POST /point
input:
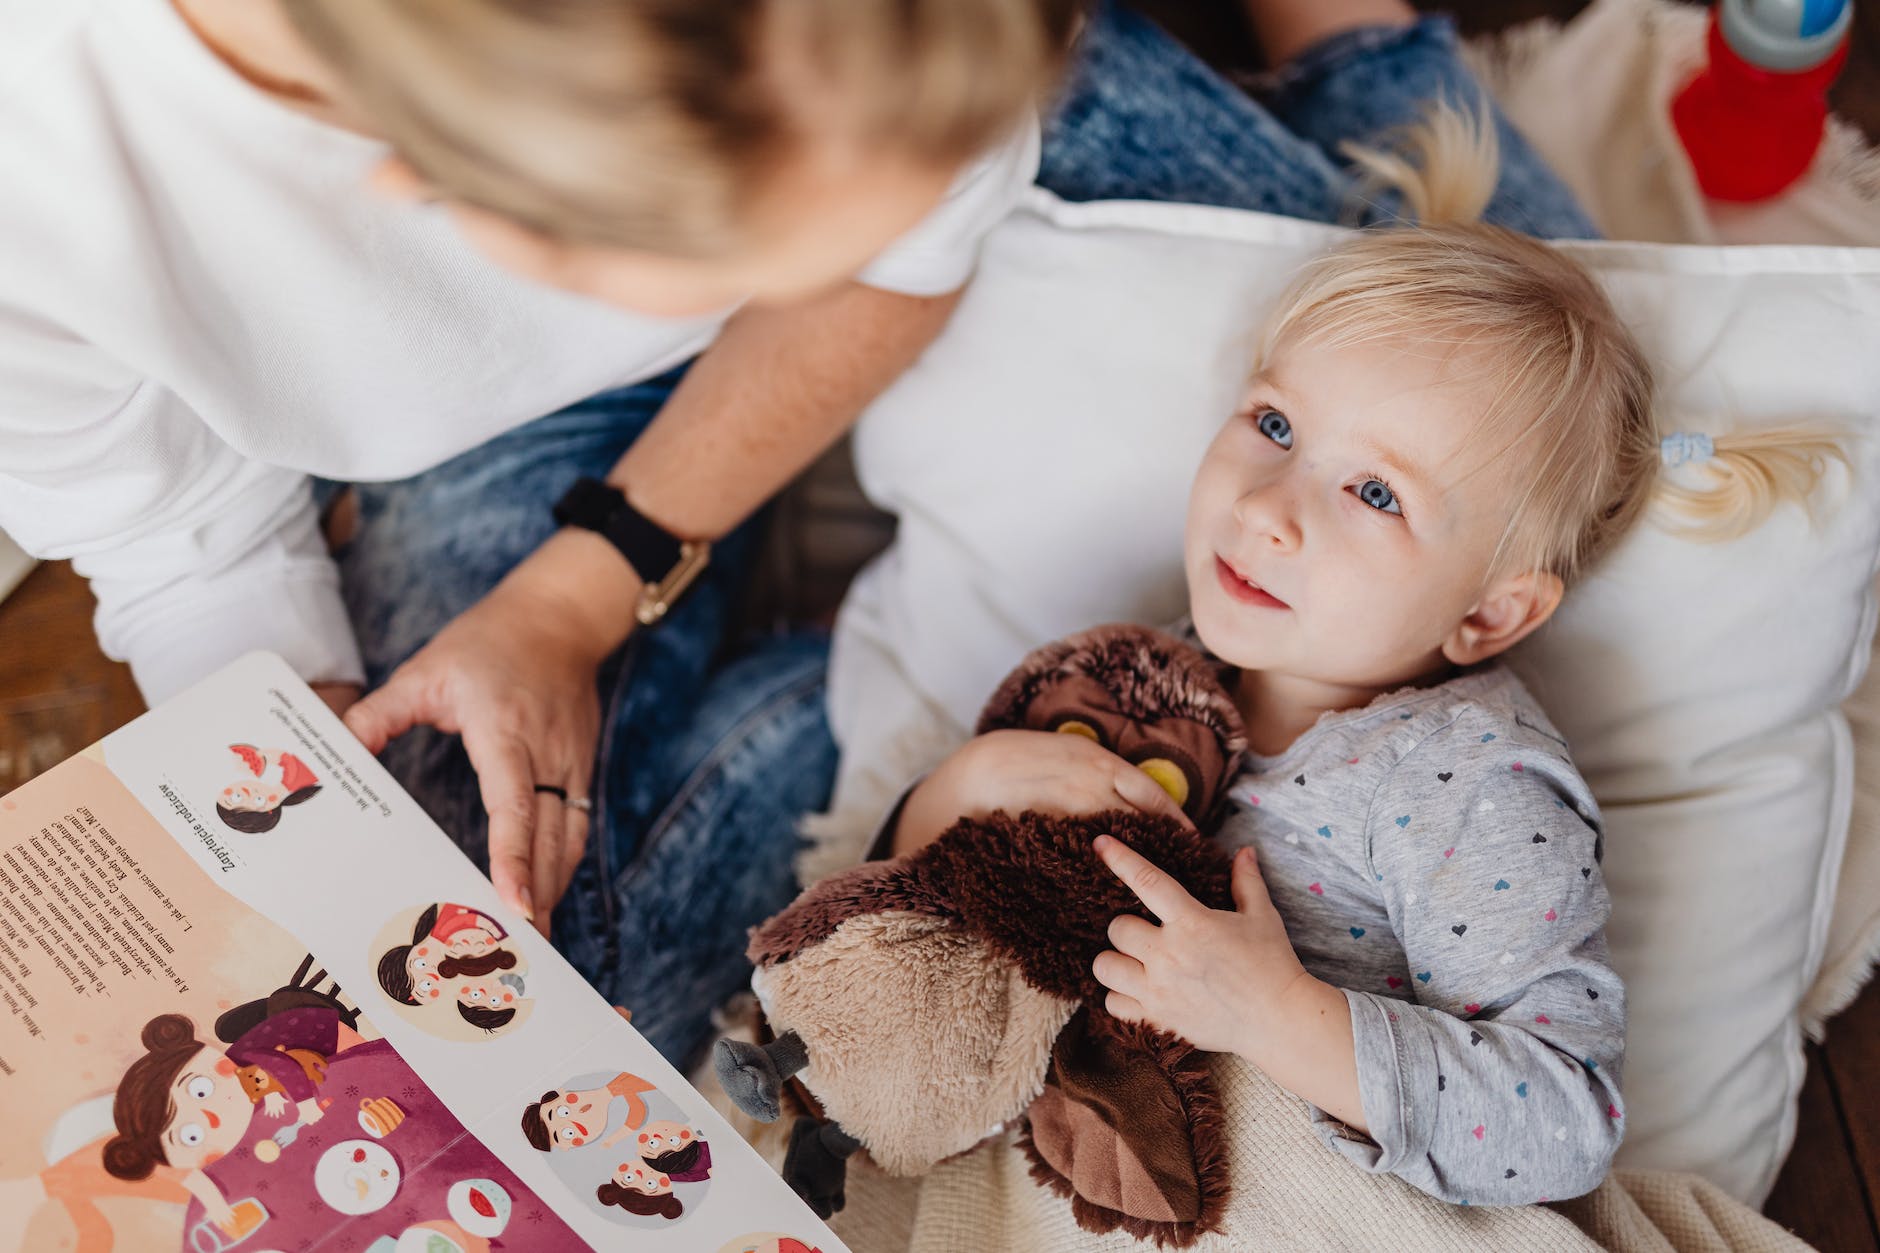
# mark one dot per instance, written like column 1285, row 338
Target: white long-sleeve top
column 201, row 304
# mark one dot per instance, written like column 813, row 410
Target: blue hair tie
column 1682, row 446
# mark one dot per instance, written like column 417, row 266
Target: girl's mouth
column 1243, row 591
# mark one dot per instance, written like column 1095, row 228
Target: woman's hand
column 1020, row 770
column 514, row 675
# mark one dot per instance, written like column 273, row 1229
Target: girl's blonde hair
column 1571, row 391
column 652, row 124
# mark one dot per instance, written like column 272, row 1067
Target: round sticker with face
column 467, row 984
column 626, row 1150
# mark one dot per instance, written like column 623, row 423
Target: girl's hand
column 1020, row 770
column 273, row 1103
column 310, row 1111
column 219, row 1212
column 514, row 675
column 1219, row 980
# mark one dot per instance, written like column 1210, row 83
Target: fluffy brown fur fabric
column 932, row 992
column 1032, row 885
column 1130, row 1074
column 1148, row 674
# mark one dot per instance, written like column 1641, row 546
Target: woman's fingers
column 380, row 717
column 576, row 819
column 573, row 834
column 506, row 783
column 545, row 854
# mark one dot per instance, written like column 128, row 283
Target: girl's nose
column 1267, row 515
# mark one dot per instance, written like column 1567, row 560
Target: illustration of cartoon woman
column 273, row 780
column 677, row 1151
column 568, row 1119
column 638, row 1189
column 185, row 1104
column 450, row 943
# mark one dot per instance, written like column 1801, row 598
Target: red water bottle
column 1753, row 117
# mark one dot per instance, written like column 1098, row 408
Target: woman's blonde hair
column 1571, row 390
column 652, row 124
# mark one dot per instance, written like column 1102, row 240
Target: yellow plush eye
column 1168, row 776
column 1072, row 726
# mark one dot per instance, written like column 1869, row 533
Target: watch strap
column 666, row 564
column 649, row 548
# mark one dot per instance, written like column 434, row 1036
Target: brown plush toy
column 929, row 1000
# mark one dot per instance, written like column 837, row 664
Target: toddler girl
column 1447, row 426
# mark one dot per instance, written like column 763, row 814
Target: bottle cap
column 1785, row 35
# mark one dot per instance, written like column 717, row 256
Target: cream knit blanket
column 1291, row 1192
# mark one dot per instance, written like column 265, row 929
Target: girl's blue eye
column 1276, row 428
column 1377, row 494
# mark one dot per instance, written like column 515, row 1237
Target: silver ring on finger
column 581, row 803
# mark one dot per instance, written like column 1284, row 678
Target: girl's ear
column 1511, row 609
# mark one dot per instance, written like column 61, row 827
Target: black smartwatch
column 666, row 564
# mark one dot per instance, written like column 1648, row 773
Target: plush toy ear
column 1129, row 1129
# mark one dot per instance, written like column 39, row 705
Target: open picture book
column 252, row 998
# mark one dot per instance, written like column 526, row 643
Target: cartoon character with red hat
column 272, row 779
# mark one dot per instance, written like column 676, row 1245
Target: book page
column 251, row 998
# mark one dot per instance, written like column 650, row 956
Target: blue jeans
column 1143, row 119
column 710, row 752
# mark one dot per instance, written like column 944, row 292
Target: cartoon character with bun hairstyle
column 639, row 1189
column 185, row 1104
column 272, row 779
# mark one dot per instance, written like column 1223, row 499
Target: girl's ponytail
column 1445, row 166
column 1742, row 477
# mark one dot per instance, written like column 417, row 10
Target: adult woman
column 203, row 306
column 199, row 369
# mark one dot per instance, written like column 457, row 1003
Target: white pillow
column 1039, row 457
